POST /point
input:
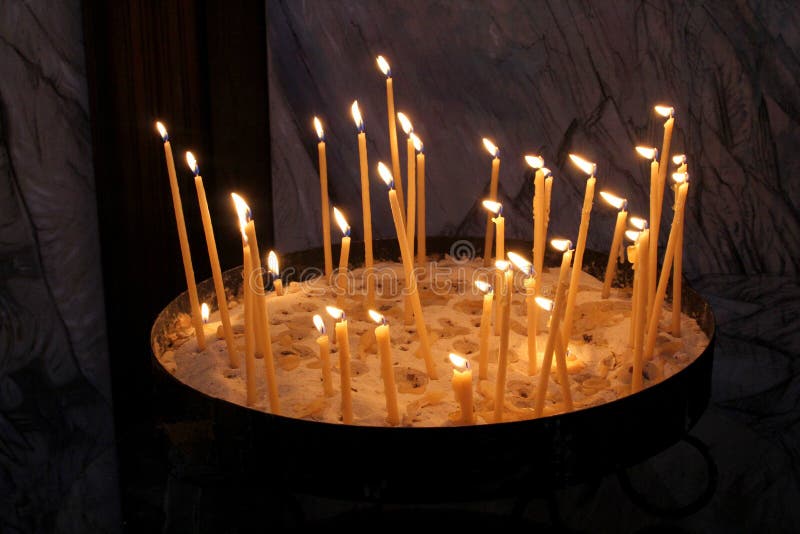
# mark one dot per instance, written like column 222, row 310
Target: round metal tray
column 417, row 465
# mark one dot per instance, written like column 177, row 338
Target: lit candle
column 655, row 220
column 408, row 267
column 205, row 313
column 188, row 270
column 343, row 342
column 366, row 209
column 561, row 356
column 255, row 284
column 677, row 274
column 383, row 338
column 539, row 210
column 500, row 252
column 668, row 113
column 502, row 359
column 411, row 177
column 655, row 313
column 642, row 260
column 619, row 228
column 548, row 190
column 589, row 169
column 341, row 279
column 421, row 235
column 249, row 328
column 462, row 387
column 387, row 71
column 324, row 356
column 216, row 272
column 528, row 270
column 555, row 319
column 542, row 184
column 275, row 272
column 324, row 209
column 487, row 242
column 634, row 257
column 486, row 323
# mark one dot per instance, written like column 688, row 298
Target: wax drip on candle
column 341, row 221
column 359, row 120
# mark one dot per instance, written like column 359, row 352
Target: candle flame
column 204, row 312
column 357, row 116
column 318, row 128
column 272, row 263
column 242, row 211
column 494, row 207
column 546, row 172
column 586, row 166
column 521, row 263
column 544, row 303
column 614, row 200
column 502, row 265
column 341, row 221
column 647, row 152
column 336, row 313
column 417, row 142
column 384, row 66
column 679, row 159
column 665, row 111
column 319, row 324
column 405, row 124
column 638, row 222
column 386, row 175
column 377, row 317
column 561, row 244
column 633, row 235
column 680, row 177
column 537, row 162
column 459, row 362
column 162, row 131
column 192, row 163
column 491, row 147
column 485, row 287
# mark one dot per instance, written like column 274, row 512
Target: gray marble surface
column 57, row 460
column 554, row 78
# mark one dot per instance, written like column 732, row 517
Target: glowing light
column 357, row 116
column 561, row 244
column 679, row 159
column 405, row 124
column 205, row 312
column 484, row 287
column 537, row 162
column 665, row 111
column 318, row 128
column 544, row 303
column 459, row 362
column 319, row 324
column 680, row 177
column 335, row 312
column 638, row 222
column 162, row 131
column 647, row 152
column 494, row 207
column 242, row 211
column 386, row 175
column 546, row 172
column 377, row 317
column 341, row 221
column 586, row 166
column 418, row 146
column 272, row 263
column 491, row 147
column 192, row 163
column 633, row 235
column 384, row 66
column 614, row 200
column 502, row 265
column 521, row 263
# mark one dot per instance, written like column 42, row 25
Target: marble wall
column 57, row 460
column 553, row 78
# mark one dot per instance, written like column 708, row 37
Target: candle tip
column 386, row 175
column 356, row 112
column 162, row 131
column 561, row 244
column 418, row 146
column 483, row 286
column 341, row 221
column 614, row 200
column 493, row 150
column 521, row 263
column 586, row 166
column 377, row 317
column 633, row 235
column 205, row 312
column 272, row 263
column 665, row 111
column 192, row 162
column 459, row 362
column 679, row 159
column 536, row 162
column 318, row 128
column 242, row 211
column 335, row 312
column 405, row 123
column 494, row 207
column 319, row 324
column 680, row 177
column 544, row 303
column 384, row 66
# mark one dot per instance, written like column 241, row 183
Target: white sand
column 599, row 363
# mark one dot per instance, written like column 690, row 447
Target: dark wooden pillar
column 201, row 68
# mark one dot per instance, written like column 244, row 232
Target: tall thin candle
column 324, row 355
column 323, row 190
column 462, row 387
column 616, row 242
column 493, row 184
column 383, row 338
column 343, row 342
column 421, row 235
column 344, row 255
column 655, row 221
column 387, row 71
column 366, row 209
column 677, row 274
column 486, row 324
column 411, row 178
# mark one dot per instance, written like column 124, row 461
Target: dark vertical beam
column 201, row 68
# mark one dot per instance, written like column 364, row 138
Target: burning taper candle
column 387, row 71
column 614, row 254
column 366, row 209
column 343, row 343
column 383, row 338
column 493, row 184
column 324, row 207
column 344, row 256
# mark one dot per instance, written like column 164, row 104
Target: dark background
column 89, row 253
